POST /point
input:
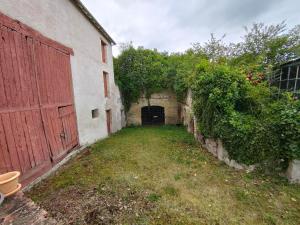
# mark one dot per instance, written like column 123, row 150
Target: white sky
column 172, row 25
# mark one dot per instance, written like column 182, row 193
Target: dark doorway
column 153, row 115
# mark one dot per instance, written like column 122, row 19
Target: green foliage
column 254, row 126
column 286, row 117
column 215, row 93
column 185, row 67
column 231, row 99
column 141, row 71
column 153, row 197
column 262, row 47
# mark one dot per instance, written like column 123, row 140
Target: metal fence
column 287, row 77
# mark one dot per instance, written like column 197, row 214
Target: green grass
column 160, row 175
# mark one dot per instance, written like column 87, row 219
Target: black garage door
column 153, row 115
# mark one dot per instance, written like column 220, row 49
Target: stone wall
column 293, row 172
column 216, row 147
column 166, row 99
column 186, row 116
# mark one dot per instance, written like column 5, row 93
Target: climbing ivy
column 141, row 72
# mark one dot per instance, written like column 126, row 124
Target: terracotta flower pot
column 9, row 183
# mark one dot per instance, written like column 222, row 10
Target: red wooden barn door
column 23, row 145
column 37, row 116
column 56, row 99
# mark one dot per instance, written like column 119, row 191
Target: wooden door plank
column 18, row 141
column 11, row 142
column 28, row 140
column 3, row 100
column 57, row 128
column 26, row 80
column 23, row 150
column 40, row 73
column 5, row 162
column 22, row 75
column 32, row 70
column 16, row 90
column 7, row 67
column 42, row 135
column 49, row 131
column 47, row 73
column 56, row 72
column 34, row 136
column 61, row 75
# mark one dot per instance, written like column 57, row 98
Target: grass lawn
column 159, row 175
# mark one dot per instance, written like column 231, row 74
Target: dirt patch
column 97, row 206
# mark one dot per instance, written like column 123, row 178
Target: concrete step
column 20, row 210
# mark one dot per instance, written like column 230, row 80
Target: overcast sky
column 172, row 25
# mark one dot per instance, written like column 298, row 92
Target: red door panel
column 54, row 80
column 69, row 135
column 22, row 138
column 37, row 117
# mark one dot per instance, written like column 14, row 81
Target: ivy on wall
column 141, row 72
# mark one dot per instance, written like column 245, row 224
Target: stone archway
column 153, row 115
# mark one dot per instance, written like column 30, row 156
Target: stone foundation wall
column 217, row 149
column 293, row 172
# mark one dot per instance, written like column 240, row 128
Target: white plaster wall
column 61, row 21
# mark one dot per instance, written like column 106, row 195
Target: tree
column 214, row 49
column 267, row 44
column 140, row 72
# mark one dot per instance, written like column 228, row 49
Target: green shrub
column 255, row 126
column 217, row 92
column 285, row 114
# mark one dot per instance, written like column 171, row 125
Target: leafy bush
column 254, row 125
column 141, row 72
column 285, row 115
column 217, row 91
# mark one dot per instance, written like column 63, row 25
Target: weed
column 153, row 197
column 177, row 176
